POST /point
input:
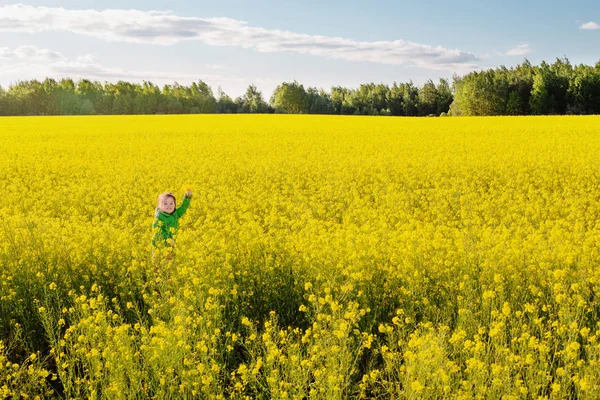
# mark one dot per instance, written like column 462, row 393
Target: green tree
column 396, row 100
column 319, row 102
column 358, row 100
column 202, row 98
column 513, row 104
column 290, row 98
column 444, row 97
column 66, row 98
column 124, row 95
column 410, row 98
column 90, row 94
column 379, row 99
column 252, row 101
column 480, row 93
column 170, row 103
column 50, row 99
column 225, row 105
column 550, row 87
column 147, row 101
column 584, row 91
column 540, row 101
column 337, row 98
column 4, row 103
column 29, row 98
column 428, row 99
column 520, row 80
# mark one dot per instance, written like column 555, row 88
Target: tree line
column 85, row 97
column 558, row 88
column 547, row 89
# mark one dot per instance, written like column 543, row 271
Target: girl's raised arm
column 184, row 206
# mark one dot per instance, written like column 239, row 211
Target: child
column 166, row 222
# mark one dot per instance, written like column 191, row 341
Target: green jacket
column 167, row 224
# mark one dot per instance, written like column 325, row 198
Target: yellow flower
column 416, row 386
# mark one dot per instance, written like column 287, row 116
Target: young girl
column 166, row 222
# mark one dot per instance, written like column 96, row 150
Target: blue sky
column 318, row 43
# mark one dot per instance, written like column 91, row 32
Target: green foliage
column 444, row 97
column 85, row 97
column 319, row 102
column 584, row 90
column 513, row 104
column 290, row 98
column 4, row 103
column 253, row 102
column 428, row 97
column 481, row 93
column 338, row 95
column 225, row 105
column 550, row 86
column 557, row 88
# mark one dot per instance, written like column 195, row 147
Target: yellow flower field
column 321, row 257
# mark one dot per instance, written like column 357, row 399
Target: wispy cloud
column 30, row 54
column 590, row 26
column 165, row 28
column 519, row 50
column 87, row 59
column 215, row 66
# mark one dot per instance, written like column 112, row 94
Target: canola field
column 320, row 258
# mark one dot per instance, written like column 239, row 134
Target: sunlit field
column 321, row 258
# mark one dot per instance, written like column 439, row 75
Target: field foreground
column 321, row 257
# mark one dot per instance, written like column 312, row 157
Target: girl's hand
column 188, row 193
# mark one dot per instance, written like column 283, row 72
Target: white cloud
column 5, row 52
column 519, row 50
column 87, row 59
column 34, row 53
column 589, row 26
column 165, row 28
column 30, row 54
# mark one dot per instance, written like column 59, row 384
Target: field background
column 321, row 257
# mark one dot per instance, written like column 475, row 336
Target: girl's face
column 167, row 205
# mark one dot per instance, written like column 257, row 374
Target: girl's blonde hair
column 163, row 196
